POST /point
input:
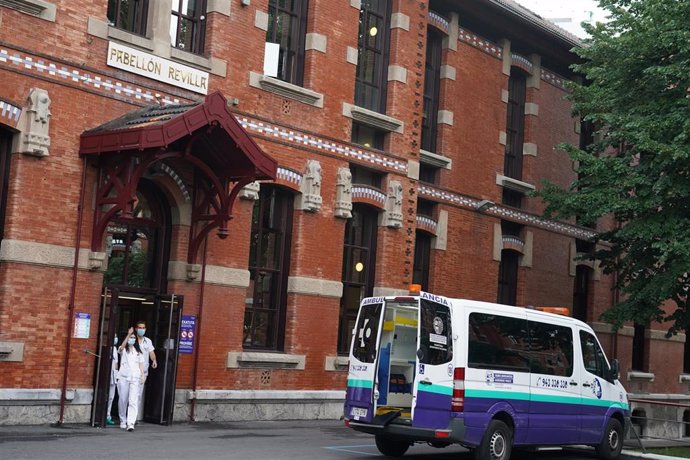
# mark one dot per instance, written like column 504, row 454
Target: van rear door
column 360, row 401
column 433, row 386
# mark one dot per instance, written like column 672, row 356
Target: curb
column 637, row 453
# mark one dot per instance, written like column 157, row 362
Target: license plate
column 359, row 412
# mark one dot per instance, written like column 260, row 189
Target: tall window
column 508, row 277
column 287, row 26
column 639, row 348
column 5, row 145
column 422, row 256
column 515, row 125
column 359, row 262
column 129, row 15
column 372, row 61
column 188, row 25
column 686, row 353
column 581, row 292
column 432, row 82
column 269, row 262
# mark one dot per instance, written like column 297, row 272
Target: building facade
column 239, row 174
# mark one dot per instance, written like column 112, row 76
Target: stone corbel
column 96, row 260
column 250, row 191
column 310, row 198
column 34, row 124
column 343, row 193
column 193, row 272
column 393, row 211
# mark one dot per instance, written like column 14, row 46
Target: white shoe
column 130, row 428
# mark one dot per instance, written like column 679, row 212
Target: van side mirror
column 615, row 369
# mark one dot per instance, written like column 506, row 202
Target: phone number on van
column 552, row 383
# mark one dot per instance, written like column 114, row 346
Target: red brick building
column 393, row 142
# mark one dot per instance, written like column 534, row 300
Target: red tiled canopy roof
column 227, row 148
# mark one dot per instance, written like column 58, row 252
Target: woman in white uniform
column 131, row 375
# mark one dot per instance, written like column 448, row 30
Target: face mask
column 141, row 332
column 131, row 341
column 115, row 341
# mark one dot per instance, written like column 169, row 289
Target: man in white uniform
column 147, row 349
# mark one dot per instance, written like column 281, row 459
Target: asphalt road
column 304, row 440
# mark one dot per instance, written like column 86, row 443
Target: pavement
column 314, row 439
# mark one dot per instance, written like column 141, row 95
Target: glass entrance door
column 160, row 388
column 104, row 361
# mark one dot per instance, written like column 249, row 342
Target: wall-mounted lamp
column 484, row 205
column 245, row 2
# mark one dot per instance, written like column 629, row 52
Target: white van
column 426, row 368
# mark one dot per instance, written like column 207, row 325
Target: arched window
column 269, row 263
column 359, row 262
column 137, row 248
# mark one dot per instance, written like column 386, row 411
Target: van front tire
column 496, row 443
column 391, row 447
column 612, row 443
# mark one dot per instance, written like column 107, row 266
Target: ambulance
column 490, row 377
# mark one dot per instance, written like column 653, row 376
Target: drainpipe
column 198, row 333
column 72, row 293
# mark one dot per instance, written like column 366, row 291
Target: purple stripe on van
column 358, row 397
column 432, row 410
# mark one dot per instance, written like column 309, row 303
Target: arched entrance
column 131, row 223
column 135, row 290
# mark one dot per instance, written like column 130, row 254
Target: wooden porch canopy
column 205, row 135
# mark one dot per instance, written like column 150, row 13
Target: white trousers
column 129, row 400
column 111, row 397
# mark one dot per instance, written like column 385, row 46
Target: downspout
column 198, row 332
column 73, row 290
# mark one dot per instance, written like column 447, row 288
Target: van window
column 593, row 357
column 435, row 337
column 498, row 342
column 367, row 332
column 551, row 349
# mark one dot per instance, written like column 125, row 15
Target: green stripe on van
column 543, row 398
column 360, row 383
column 438, row 389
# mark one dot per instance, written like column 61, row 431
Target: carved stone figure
column 311, row 187
column 35, row 124
column 343, row 193
column 250, row 191
column 393, row 217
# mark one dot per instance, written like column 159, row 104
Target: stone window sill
column 285, row 89
column 38, row 8
column 434, row 159
column 374, row 119
column 637, row 375
column 261, row 360
column 337, row 363
column 514, row 184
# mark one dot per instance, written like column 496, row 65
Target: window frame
column 508, row 277
column 515, row 124
column 381, row 52
column 5, row 163
column 139, row 21
column 268, row 195
column 297, row 38
column 421, row 266
column 369, row 222
column 432, row 90
column 198, row 19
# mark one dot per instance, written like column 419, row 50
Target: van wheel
column 612, row 444
column 391, row 447
column 496, row 443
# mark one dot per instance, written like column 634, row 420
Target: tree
column 636, row 174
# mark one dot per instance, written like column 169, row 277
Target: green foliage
column 637, row 172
